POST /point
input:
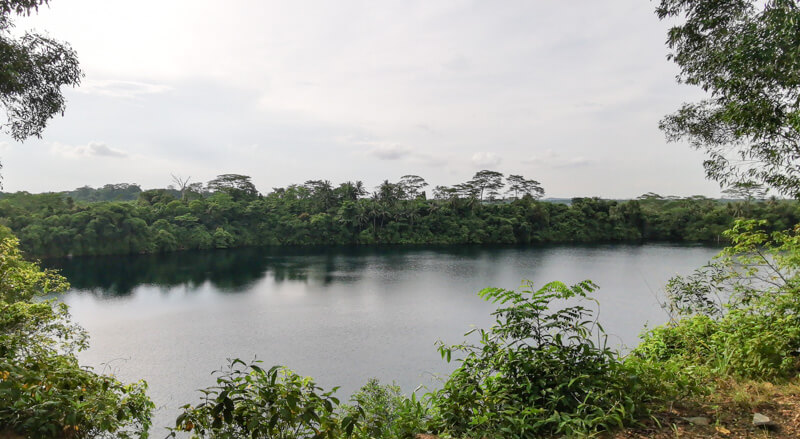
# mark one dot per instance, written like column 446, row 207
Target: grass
column 730, row 409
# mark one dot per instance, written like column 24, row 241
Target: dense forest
column 230, row 212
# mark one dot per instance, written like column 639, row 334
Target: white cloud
column 92, row 149
column 390, row 151
column 545, row 157
column 551, row 159
column 121, row 89
column 486, row 159
column 574, row 162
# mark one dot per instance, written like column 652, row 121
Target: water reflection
column 231, row 271
column 236, row 270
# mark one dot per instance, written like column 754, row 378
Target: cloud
column 92, row 149
column 121, row 89
column 574, row 162
column 545, row 157
column 486, row 159
column 393, row 151
column 390, row 151
column 552, row 159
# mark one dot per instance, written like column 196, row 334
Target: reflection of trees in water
column 227, row 270
column 234, row 270
column 231, row 270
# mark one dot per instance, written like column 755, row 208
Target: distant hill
column 109, row 192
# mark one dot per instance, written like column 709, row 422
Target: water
column 341, row 315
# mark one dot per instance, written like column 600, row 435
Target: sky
column 568, row 93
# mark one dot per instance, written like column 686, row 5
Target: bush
column 250, row 402
column 386, row 413
column 537, row 371
column 740, row 344
column 44, row 392
column 53, row 397
column 737, row 317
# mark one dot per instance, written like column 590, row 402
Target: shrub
column 386, row 413
column 736, row 317
column 537, row 371
column 44, row 392
column 250, row 402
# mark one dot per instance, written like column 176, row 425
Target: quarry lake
column 341, row 315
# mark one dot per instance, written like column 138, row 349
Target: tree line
column 230, row 212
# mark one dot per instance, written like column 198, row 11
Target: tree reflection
column 230, row 270
column 235, row 270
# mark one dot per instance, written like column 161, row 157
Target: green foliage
column 21, row 280
column 51, row 396
column 222, row 239
column 250, row 402
column 737, row 317
column 746, row 55
column 33, row 68
column 236, row 185
column 44, row 392
column 537, row 371
column 318, row 213
column 386, row 413
column 109, row 192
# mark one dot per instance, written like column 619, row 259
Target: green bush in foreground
column 738, row 317
column 537, row 372
column 384, row 412
column 250, row 402
column 44, row 392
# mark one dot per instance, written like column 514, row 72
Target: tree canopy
column 33, row 68
column 236, row 185
column 746, row 55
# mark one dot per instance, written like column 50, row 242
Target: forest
column 229, row 212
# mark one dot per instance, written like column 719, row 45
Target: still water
column 341, row 315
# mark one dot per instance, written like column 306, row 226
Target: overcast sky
column 565, row 92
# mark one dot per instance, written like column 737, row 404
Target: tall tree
column 746, row 55
column 487, row 183
column 236, row 185
column 444, row 193
column 466, row 190
column 33, row 68
column 518, row 186
column 322, row 193
column 389, row 193
column 412, row 185
column 181, row 184
column 746, row 190
column 350, row 190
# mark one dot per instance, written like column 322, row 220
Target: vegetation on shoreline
column 316, row 213
column 44, row 392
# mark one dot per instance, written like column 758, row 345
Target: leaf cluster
column 538, row 371
column 746, row 55
column 251, row 402
column 33, row 68
column 384, row 412
column 44, row 392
